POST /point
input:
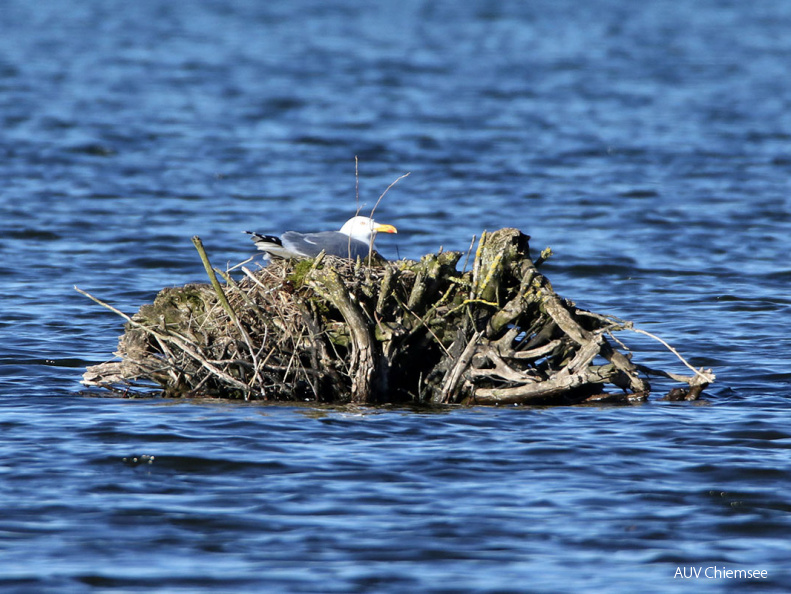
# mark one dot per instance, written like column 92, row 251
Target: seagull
column 354, row 240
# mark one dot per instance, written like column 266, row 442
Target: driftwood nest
column 332, row 330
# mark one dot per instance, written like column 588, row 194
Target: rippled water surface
column 649, row 144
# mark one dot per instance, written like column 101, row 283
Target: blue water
column 649, row 144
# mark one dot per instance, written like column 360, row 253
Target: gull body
column 354, row 240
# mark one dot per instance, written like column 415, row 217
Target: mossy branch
column 213, row 279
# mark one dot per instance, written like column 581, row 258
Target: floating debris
column 374, row 332
column 136, row 460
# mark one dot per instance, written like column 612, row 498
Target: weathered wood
column 454, row 374
column 362, row 368
column 409, row 331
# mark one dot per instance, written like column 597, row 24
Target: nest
column 374, row 332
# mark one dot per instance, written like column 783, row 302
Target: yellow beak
column 385, row 229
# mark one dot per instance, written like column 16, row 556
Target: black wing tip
column 258, row 238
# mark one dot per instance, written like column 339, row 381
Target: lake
column 648, row 144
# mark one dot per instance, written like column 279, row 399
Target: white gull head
column 364, row 228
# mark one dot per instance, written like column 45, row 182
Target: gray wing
column 334, row 243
